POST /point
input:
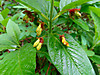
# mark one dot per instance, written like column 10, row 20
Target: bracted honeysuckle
column 63, row 40
column 39, row 43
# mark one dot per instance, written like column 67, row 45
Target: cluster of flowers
column 28, row 16
column 40, row 40
column 39, row 43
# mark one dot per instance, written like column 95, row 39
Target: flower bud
column 39, row 46
column 36, row 43
column 39, row 32
column 38, row 28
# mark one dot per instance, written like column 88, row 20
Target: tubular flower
column 39, row 43
column 74, row 12
column 39, row 29
column 63, row 40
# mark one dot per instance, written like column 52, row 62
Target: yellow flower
column 39, row 46
column 77, row 13
column 38, row 28
column 63, row 40
column 39, row 32
column 36, row 43
column 39, row 43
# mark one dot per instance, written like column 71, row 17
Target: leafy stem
column 51, row 13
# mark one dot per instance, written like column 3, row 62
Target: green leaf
column 70, row 60
column 1, row 18
column 5, row 12
column 93, row 1
column 6, row 40
column 60, row 21
column 89, row 53
column 95, row 10
column 66, row 4
column 20, row 62
column 5, row 21
column 81, row 23
column 2, row 47
column 97, row 28
column 15, row 17
column 1, row 30
column 96, row 59
column 13, row 31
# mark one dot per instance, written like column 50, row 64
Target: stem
column 51, row 13
column 60, row 13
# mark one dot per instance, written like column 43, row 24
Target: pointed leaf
column 69, row 60
column 81, row 23
column 96, row 23
column 96, row 59
column 5, row 12
column 69, row 4
column 13, row 31
column 20, row 62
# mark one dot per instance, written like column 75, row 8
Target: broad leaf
column 13, row 31
column 6, row 40
column 70, row 60
column 64, row 3
column 20, row 62
column 69, row 4
column 2, row 47
column 81, row 23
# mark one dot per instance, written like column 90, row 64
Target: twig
column 48, row 69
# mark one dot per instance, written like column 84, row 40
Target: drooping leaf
column 20, row 62
column 70, row 60
column 13, row 31
column 5, row 12
column 81, row 23
column 96, row 59
column 97, row 27
column 69, row 4
column 95, row 10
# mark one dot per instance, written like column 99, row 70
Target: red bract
column 29, row 15
column 41, row 40
column 73, row 10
